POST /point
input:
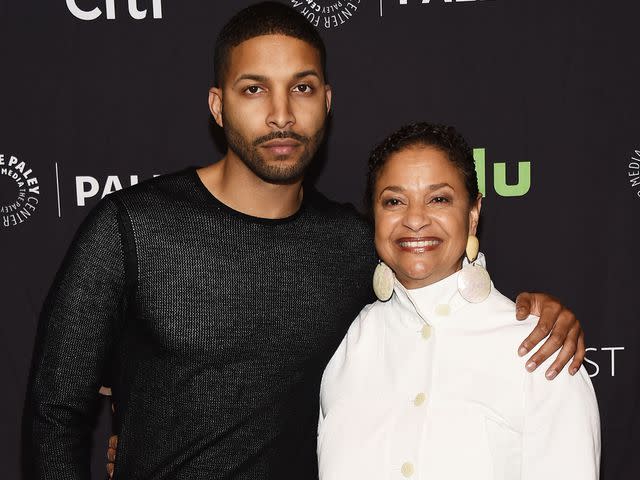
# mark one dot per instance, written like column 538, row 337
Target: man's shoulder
column 166, row 185
column 161, row 193
column 342, row 213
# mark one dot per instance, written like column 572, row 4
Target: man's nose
column 281, row 115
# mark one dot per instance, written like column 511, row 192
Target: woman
column 399, row 398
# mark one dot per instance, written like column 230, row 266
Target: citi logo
column 500, row 185
column 135, row 11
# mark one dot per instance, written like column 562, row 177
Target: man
column 217, row 295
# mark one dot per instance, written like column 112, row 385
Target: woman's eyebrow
column 393, row 188
column 436, row 186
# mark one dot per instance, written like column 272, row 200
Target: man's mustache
column 279, row 135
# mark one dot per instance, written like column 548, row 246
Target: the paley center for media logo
column 633, row 172
column 19, row 191
column 326, row 13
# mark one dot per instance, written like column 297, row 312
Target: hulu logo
column 500, row 176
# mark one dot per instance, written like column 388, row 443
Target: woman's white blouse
column 427, row 386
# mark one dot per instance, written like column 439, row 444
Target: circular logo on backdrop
column 633, row 173
column 19, row 191
column 326, row 13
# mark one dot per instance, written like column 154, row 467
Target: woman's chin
column 415, row 279
column 420, row 277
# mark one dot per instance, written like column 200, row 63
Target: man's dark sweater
column 214, row 327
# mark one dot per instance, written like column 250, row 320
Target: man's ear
column 327, row 96
column 215, row 104
column 474, row 215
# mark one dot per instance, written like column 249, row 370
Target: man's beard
column 250, row 154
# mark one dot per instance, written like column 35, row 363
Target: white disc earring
column 474, row 282
column 383, row 281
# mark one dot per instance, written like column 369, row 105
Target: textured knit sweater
column 212, row 326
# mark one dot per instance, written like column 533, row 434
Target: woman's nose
column 416, row 217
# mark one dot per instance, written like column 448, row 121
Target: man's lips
column 418, row 244
column 284, row 146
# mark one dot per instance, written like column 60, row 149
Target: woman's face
column 423, row 216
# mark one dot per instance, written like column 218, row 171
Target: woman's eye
column 253, row 89
column 303, row 88
column 391, row 202
column 440, row 200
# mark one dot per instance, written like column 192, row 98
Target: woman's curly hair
column 443, row 137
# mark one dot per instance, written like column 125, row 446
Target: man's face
column 273, row 106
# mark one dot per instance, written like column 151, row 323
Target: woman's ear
column 474, row 215
column 215, row 104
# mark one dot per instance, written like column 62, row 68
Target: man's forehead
column 274, row 55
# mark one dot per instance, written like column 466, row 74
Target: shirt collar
column 435, row 302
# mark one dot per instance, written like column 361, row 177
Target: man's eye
column 253, row 89
column 303, row 88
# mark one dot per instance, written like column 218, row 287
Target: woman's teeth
column 420, row 244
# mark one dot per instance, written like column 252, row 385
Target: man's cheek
column 312, row 117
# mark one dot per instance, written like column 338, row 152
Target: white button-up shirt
column 428, row 386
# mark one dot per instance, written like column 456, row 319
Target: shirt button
column 407, row 469
column 426, row 332
column 443, row 309
column 419, row 400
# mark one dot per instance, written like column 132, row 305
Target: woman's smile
column 418, row 244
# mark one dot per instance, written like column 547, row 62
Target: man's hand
column 111, row 454
column 559, row 324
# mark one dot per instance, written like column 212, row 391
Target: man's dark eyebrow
column 251, row 76
column 307, row 73
column 261, row 78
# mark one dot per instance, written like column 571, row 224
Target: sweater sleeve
column 562, row 427
column 74, row 340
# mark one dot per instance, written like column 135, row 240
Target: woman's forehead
column 419, row 163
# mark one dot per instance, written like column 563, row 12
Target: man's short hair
column 264, row 18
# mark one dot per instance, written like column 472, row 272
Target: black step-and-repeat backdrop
column 98, row 95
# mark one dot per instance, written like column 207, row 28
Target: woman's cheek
column 384, row 249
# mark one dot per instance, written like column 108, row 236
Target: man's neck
column 235, row 185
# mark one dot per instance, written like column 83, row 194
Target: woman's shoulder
column 358, row 351
column 500, row 303
column 364, row 330
column 499, row 312
column 370, row 320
